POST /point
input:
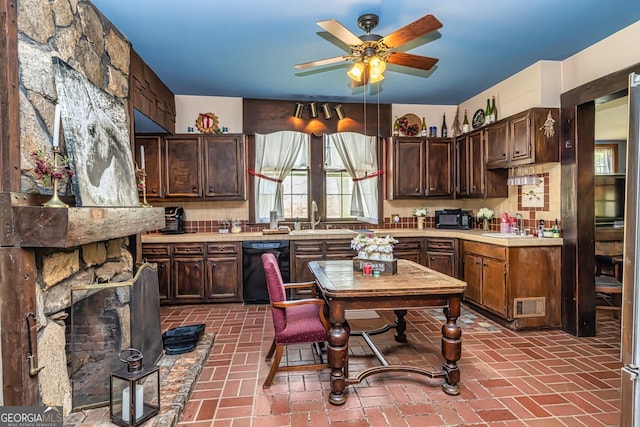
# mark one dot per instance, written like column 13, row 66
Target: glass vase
column 485, row 224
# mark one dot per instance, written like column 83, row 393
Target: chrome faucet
column 520, row 228
column 314, row 210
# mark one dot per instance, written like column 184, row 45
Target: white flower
column 373, row 244
column 420, row 211
column 485, row 213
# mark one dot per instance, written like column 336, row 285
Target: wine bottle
column 443, row 132
column 423, row 130
column 494, row 111
column 396, row 127
column 487, row 113
column 465, row 123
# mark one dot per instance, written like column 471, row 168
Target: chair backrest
column 275, row 286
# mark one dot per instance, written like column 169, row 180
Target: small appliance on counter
column 454, row 219
column 174, row 219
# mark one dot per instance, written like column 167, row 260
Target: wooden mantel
column 37, row 226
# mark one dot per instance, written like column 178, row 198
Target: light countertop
column 495, row 238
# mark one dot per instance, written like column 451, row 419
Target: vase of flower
column 485, row 215
column 420, row 222
column 420, row 214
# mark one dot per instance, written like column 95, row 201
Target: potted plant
column 374, row 248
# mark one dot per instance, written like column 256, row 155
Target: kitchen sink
column 506, row 235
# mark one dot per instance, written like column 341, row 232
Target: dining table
column 343, row 286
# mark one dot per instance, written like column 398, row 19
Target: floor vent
column 529, row 307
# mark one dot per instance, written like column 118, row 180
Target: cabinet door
column 223, row 279
column 497, row 144
column 462, row 167
column 182, row 160
column 153, row 162
column 494, row 285
column 164, row 277
column 439, row 168
column 409, row 248
column 520, row 138
column 442, row 262
column 224, row 167
column 476, row 165
column 473, row 277
column 303, row 252
column 188, row 278
column 408, row 168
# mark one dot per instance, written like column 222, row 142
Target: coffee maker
column 174, row 219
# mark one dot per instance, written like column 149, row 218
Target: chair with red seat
column 295, row 321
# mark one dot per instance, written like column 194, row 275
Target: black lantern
column 134, row 392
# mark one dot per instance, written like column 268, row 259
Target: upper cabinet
column 422, row 167
column 472, row 179
column 188, row 167
column 532, row 136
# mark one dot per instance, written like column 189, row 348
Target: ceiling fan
column 371, row 52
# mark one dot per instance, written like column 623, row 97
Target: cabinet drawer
column 406, row 245
column 222, row 248
column 188, row 249
column 343, row 246
column 308, row 246
column 441, row 244
column 485, row 250
column 156, row 249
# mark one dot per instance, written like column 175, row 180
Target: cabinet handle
column 211, row 190
column 484, row 265
column 432, row 189
column 477, row 262
column 504, row 154
column 154, row 191
column 194, row 189
column 416, row 190
column 517, row 152
column 432, row 259
column 213, row 265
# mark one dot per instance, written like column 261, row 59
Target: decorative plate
column 478, row 119
column 413, row 124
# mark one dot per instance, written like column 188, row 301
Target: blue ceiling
column 248, row 48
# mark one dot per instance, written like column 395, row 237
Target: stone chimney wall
column 76, row 32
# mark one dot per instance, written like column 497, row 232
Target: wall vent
column 529, row 307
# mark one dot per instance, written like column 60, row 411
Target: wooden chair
column 294, row 321
column 608, row 286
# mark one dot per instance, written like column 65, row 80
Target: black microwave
column 454, row 219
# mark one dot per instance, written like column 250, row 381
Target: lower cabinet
column 409, row 248
column 305, row 251
column 519, row 285
column 442, row 255
column 196, row 272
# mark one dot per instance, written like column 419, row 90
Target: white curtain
column 276, row 155
column 358, row 153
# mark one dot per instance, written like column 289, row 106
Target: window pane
column 296, row 194
column 338, row 189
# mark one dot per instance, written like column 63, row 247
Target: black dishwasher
column 254, row 284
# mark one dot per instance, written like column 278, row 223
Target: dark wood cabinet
column 519, row 285
column 472, row 178
column 442, row 255
column 521, row 139
column 153, row 160
column 224, row 167
column 183, row 167
column 188, row 167
column 422, row 167
column 305, row 251
column 224, row 274
column 409, row 248
column 485, row 271
column 196, row 272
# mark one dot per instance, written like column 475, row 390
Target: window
column 288, row 184
column 606, row 158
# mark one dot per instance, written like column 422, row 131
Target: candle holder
column 54, row 201
column 144, row 203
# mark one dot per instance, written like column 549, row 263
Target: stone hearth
column 178, row 374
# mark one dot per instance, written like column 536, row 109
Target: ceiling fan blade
column 319, row 62
column 340, row 32
column 420, row 27
column 411, row 60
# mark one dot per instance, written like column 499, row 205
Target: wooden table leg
column 452, row 347
column 337, row 350
column 401, row 326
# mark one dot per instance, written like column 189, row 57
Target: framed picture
column 97, row 141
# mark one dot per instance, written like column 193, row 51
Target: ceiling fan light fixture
column 297, row 113
column 356, row 72
column 326, row 110
column 340, row 112
column 375, row 78
column 313, row 110
column 377, row 65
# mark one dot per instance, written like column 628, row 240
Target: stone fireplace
column 86, row 306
